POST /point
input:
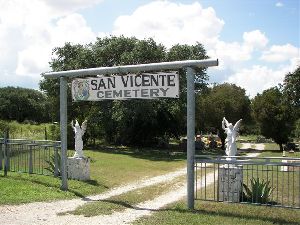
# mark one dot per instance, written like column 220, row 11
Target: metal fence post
column 190, row 75
column 56, row 164
column 6, row 153
column 30, row 160
column 1, row 155
column 63, row 132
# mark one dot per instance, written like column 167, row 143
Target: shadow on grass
column 206, row 212
column 47, row 184
column 234, row 215
column 154, row 154
column 219, row 213
column 121, row 203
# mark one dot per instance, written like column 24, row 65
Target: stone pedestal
column 78, row 168
column 289, row 168
column 230, row 183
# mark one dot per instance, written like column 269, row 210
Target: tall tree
column 292, row 87
column 137, row 122
column 224, row 100
column 291, row 90
column 274, row 116
column 23, row 104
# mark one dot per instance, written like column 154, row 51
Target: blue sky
column 256, row 41
column 239, row 15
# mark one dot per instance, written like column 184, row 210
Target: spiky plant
column 51, row 164
column 258, row 192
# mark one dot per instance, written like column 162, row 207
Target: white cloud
column 279, row 4
column 255, row 39
column 171, row 23
column 67, row 6
column 280, row 53
column 229, row 53
column 72, row 28
column 234, row 53
column 29, row 30
column 259, row 78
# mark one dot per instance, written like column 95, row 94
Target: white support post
column 63, row 132
column 190, row 76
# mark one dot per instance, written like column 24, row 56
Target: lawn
column 109, row 168
column 221, row 213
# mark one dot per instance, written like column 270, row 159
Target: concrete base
column 78, row 168
column 230, row 183
column 290, row 168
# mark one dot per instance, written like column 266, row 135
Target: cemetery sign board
column 131, row 86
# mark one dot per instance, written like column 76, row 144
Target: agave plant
column 259, row 191
column 51, row 164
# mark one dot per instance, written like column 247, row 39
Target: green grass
column 29, row 131
column 247, row 138
column 221, row 213
column 272, row 150
column 22, row 188
column 109, row 168
column 126, row 200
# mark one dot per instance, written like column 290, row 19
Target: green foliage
column 133, row 122
column 258, row 192
column 23, row 104
column 297, row 129
column 4, row 126
column 222, row 100
column 291, row 91
column 51, row 164
column 27, row 130
column 274, row 116
column 292, row 87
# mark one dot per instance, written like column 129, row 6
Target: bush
column 4, row 126
column 51, row 164
column 258, row 192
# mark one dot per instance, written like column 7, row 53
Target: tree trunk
column 223, row 143
column 281, row 147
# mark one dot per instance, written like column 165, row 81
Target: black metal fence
column 272, row 181
column 29, row 156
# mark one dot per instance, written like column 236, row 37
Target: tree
column 224, row 100
column 134, row 122
column 23, row 104
column 291, row 90
column 68, row 57
column 292, row 87
column 274, row 116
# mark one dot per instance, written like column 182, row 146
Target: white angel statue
column 232, row 132
column 79, row 132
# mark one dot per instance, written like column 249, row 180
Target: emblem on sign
column 81, row 90
column 138, row 86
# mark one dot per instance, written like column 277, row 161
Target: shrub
column 258, row 192
column 51, row 164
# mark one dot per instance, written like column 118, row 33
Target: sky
column 257, row 42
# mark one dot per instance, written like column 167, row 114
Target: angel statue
column 232, row 132
column 79, row 132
